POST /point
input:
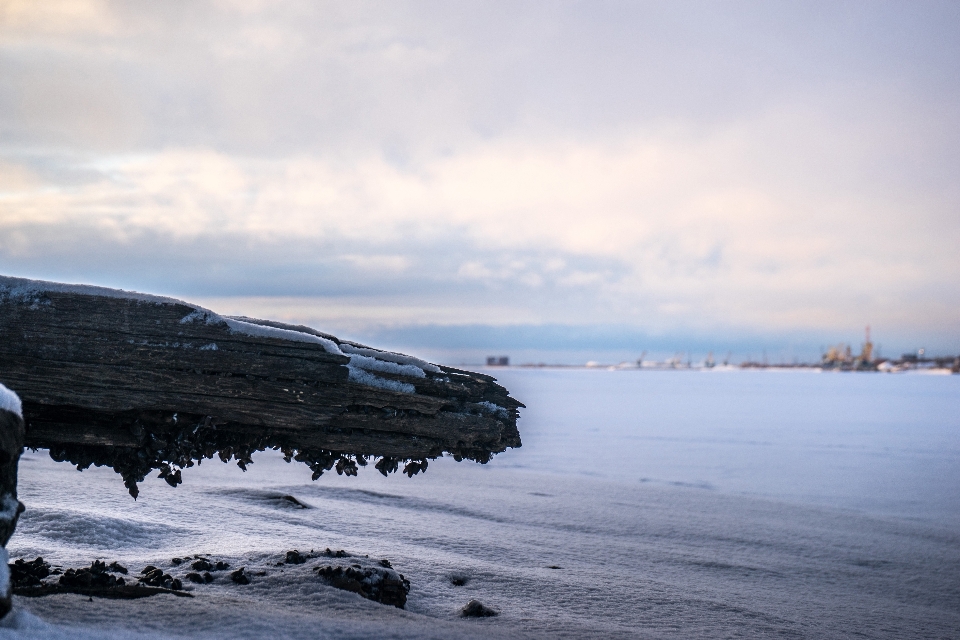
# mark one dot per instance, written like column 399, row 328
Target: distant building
column 841, row 357
column 498, row 361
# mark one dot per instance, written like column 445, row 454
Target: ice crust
column 260, row 331
column 494, row 409
column 389, row 356
column 373, row 364
column 23, row 289
column 363, row 360
column 10, row 401
column 361, row 376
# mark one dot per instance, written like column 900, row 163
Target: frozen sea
column 643, row 504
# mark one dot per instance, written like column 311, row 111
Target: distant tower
column 866, row 354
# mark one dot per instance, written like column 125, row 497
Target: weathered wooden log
column 142, row 383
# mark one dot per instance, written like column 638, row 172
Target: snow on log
column 142, row 383
column 11, row 446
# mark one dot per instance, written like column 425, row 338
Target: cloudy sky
column 553, row 180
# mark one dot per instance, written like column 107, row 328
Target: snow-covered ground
column 642, row 504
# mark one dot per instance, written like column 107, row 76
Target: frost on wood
column 9, row 401
column 148, row 384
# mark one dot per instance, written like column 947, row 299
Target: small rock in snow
column 382, row 585
column 476, row 609
column 198, row 578
column 292, row 501
column 95, row 575
column 157, row 578
column 28, row 574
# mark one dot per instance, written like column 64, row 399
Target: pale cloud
column 689, row 227
column 390, row 163
column 24, row 20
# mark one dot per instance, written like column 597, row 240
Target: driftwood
column 143, row 383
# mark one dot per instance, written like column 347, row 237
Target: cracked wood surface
column 106, row 368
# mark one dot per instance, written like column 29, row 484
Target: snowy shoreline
column 651, row 521
column 661, row 561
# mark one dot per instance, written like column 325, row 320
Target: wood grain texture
column 115, row 372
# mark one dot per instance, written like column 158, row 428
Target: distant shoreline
column 810, row 368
